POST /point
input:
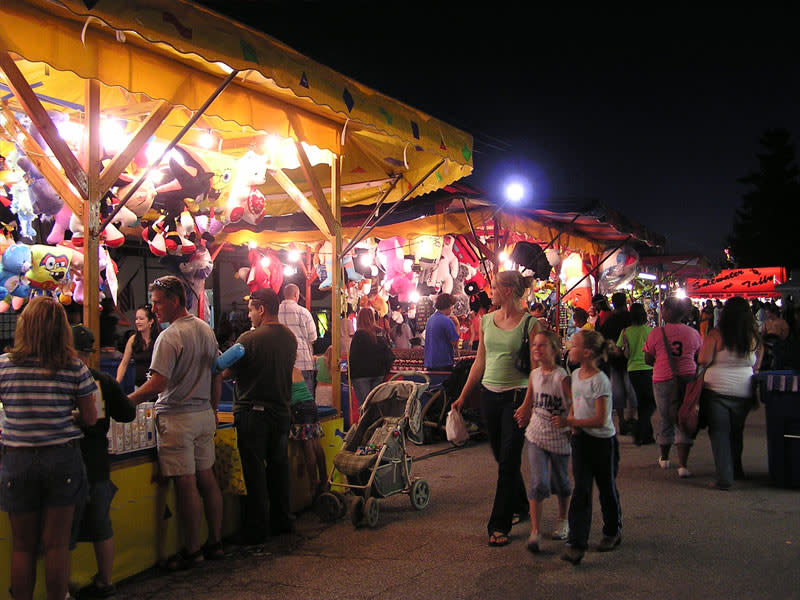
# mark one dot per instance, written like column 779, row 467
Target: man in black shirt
column 262, row 417
column 94, row 521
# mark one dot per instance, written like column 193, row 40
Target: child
column 547, row 446
column 595, row 451
column 305, row 428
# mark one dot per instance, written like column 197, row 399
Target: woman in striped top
column 42, row 476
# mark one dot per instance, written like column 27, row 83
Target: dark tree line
column 766, row 228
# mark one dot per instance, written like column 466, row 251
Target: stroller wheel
column 420, row 494
column 342, row 505
column 371, row 512
column 357, row 510
column 329, row 507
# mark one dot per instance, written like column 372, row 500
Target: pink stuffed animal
column 398, row 279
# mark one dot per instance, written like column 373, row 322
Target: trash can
column 780, row 393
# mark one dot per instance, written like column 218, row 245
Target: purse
column 688, row 394
column 523, row 362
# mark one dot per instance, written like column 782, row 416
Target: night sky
column 656, row 113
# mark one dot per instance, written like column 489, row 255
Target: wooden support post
column 316, row 188
column 91, row 220
column 302, row 202
column 39, row 117
column 336, row 293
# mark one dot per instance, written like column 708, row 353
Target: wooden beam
column 316, row 188
column 91, row 219
column 125, row 156
column 336, row 284
column 43, row 122
column 302, row 202
column 36, row 154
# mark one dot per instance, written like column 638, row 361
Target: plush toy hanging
column 245, row 201
column 49, row 267
column 446, row 269
column 398, row 279
column 531, row 256
column 265, row 271
column 572, row 271
column 14, row 290
column 618, row 269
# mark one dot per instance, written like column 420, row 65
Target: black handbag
column 523, row 362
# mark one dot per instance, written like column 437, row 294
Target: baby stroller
column 374, row 458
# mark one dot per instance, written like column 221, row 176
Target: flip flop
column 498, row 539
column 520, row 518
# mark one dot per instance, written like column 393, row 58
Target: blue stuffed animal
column 16, row 261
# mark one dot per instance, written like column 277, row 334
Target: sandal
column 518, row 518
column 184, row 560
column 498, row 539
column 213, row 551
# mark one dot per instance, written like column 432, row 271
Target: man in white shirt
column 301, row 323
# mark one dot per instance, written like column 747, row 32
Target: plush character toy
column 266, row 271
column 245, row 201
column 44, row 199
column 325, row 256
column 446, row 269
column 13, row 288
column 618, row 269
column 196, row 270
column 22, row 207
column 398, row 279
column 572, row 270
column 106, row 265
column 49, row 267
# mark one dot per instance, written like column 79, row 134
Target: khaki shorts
column 186, row 442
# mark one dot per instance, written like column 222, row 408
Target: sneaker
column 683, row 472
column 561, row 532
column 573, row 555
column 609, row 542
column 663, row 463
column 97, row 590
column 533, row 542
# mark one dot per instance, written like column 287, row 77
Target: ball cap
column 82, row 338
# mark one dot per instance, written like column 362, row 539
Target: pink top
column 684, row 342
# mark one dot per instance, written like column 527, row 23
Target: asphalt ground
column 681, row 539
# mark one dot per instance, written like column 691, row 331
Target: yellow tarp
column 180, row 52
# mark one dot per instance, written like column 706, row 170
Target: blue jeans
column 362, row 386
column 593, row 459
column 506, row 439
column 726, row 416
column 263, row 437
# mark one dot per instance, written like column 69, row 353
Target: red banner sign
column 748, row 283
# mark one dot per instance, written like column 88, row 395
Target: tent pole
column 355, row 240
column 91, row 220
column 197, row 114
column 597, row 266
column 372, row 215
column 336, row 295
column 475, row 235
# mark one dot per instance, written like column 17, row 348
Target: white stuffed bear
column 245, row 200
column 446, row 269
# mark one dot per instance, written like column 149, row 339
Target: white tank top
column 730, row 373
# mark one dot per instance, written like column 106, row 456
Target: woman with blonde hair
column 42, row 381
column 503, row 390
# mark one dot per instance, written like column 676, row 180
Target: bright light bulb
column 414, row 297
column 206, row 140
column 680, row 293
column 70, row 132
column 252, row 245
column 265, row 262
column 503, row 257
column 515, row 191
column 648, row 276
column 153, row 151
column 289, row 271
column 509, row 265
column 366, row 260
column 112, row 135
column 293, row 255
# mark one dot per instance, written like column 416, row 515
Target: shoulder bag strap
column 672, row 366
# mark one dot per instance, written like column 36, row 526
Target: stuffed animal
column 49, row 267
column 398, row 279
column 618, row 269
column 446, row 269
column 44, row 199
column 265, row 271
column 572, row 270
column 245, row 201
column 14, row 289
column 325, row 256
column 22, row 207
column 108, row 268
column 195, row 271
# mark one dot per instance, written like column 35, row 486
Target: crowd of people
column 558, row 408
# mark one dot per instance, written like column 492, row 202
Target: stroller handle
column 411, row 374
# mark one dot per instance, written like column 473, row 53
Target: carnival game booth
column 167, row 121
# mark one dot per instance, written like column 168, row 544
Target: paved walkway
column 680, row 540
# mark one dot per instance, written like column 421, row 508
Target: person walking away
column 632, row 340
column 43, row 475
column 683, row 343
column 547, row 447
column 595, row 449
column 306, row 430
column 261, row 415
column 140, row 346
column 370, row 357
column 623, row 394
column 94, row 524
column 503, row 390
column 706, row 318
column 401, row 331
column 731, row 354
column 441, row 336
column 186, row 418
column 301, row 323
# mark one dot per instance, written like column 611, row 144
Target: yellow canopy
column 177, row 51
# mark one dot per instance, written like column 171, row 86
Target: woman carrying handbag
column 731, row 353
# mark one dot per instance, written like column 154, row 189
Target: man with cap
column 186, row 418
column 93, row 524
column 262, row 416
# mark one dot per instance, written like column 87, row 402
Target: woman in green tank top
column 502, row 392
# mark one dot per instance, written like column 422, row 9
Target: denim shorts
column 549, row 473
column 93, row 522
column 32, row 479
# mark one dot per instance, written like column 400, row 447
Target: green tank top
column 300, row 393
column 502, row 347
